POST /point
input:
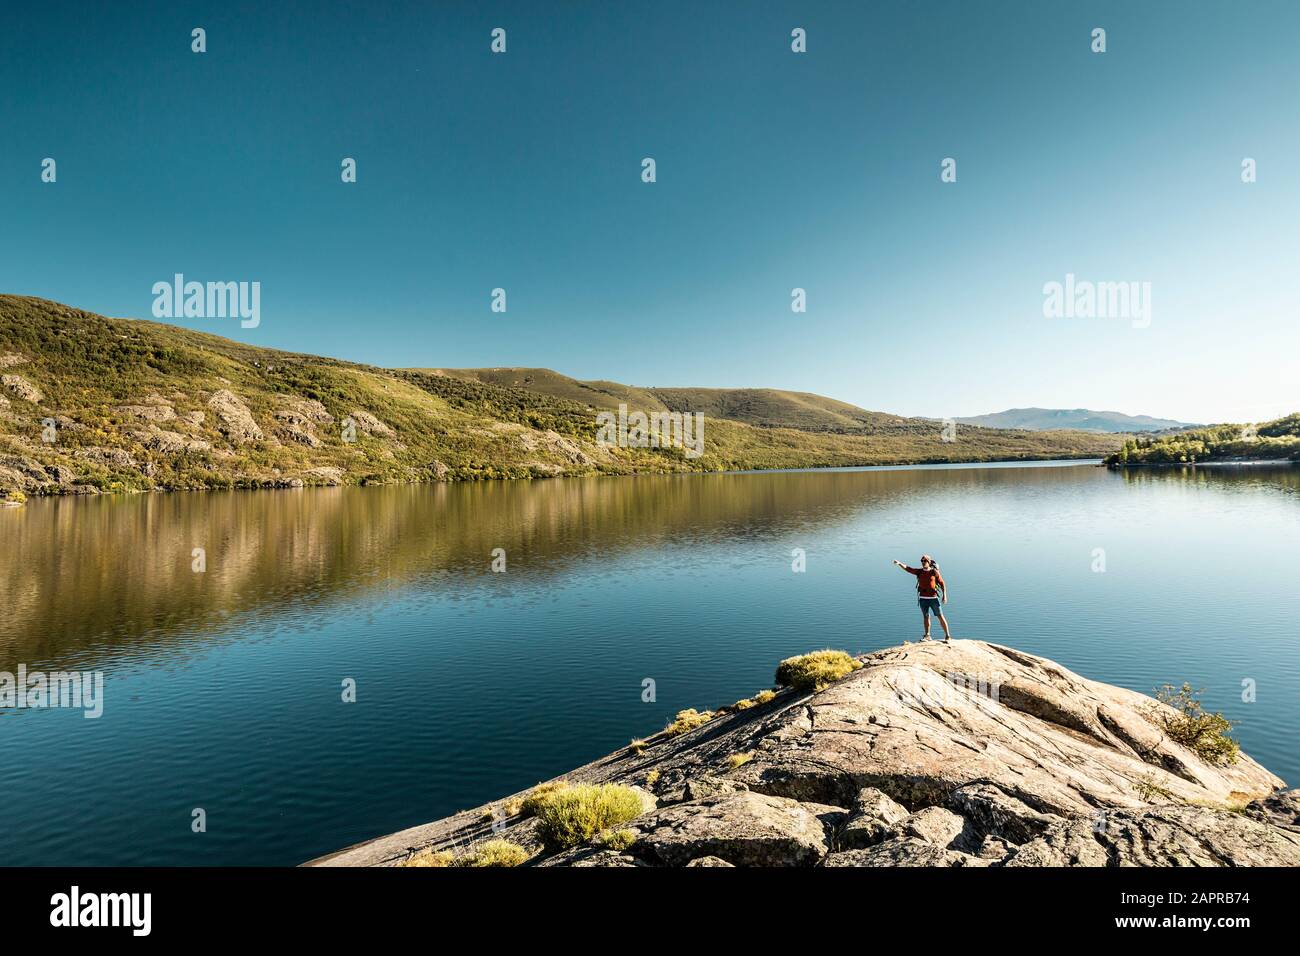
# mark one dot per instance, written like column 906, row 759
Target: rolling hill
column 605, row 395
column 761, row 407
column 92, row 404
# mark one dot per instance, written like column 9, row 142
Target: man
column 929, row 582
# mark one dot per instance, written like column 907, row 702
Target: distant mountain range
column 1079, row 419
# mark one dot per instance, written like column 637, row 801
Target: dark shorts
column 929, row 605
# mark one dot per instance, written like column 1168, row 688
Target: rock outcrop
column 369, row 424
column 298, row 418
column 153, row 409
column 168, row 442
column 31, row 477
column 21, row 388
column 970, row 754
column 236, row 420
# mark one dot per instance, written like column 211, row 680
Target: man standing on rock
column 929, row 582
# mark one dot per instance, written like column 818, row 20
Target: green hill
column 603, row 395
column 773, row 408
column 764, row 407
column 1275, row 440
column 94, row 404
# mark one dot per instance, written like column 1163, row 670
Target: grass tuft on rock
column 739, row 760
column 429, row 858
column 493, row 853
column 815, row 671
column 1148, row 788
column 1204, row 733
column 488, row 853
column 763, row 696
column 687, row 720
column 571, row 816
column 619, row 839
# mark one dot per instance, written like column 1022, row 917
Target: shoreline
column 1222, row 463
column 1055, row 460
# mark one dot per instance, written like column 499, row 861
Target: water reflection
column 84, row 579
column 225, row 684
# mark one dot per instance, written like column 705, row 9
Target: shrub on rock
column 430, row 858
column 687, row 720
column 572, row 816
column 815, row 671
column 618, row 839
column 493, row 853
column 539, row 795
column 488, row 853
column 1206, row 733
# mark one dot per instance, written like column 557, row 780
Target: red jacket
column 926, row 580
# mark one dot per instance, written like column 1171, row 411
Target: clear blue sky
column 775, row 170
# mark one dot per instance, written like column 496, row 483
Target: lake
column 223, row 688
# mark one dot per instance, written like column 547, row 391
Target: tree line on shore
column 1279, row 439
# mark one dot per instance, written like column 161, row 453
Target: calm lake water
column 223, row 688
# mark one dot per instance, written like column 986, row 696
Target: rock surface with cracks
column 970, row 754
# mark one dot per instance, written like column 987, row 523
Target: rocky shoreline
column 970, row 754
